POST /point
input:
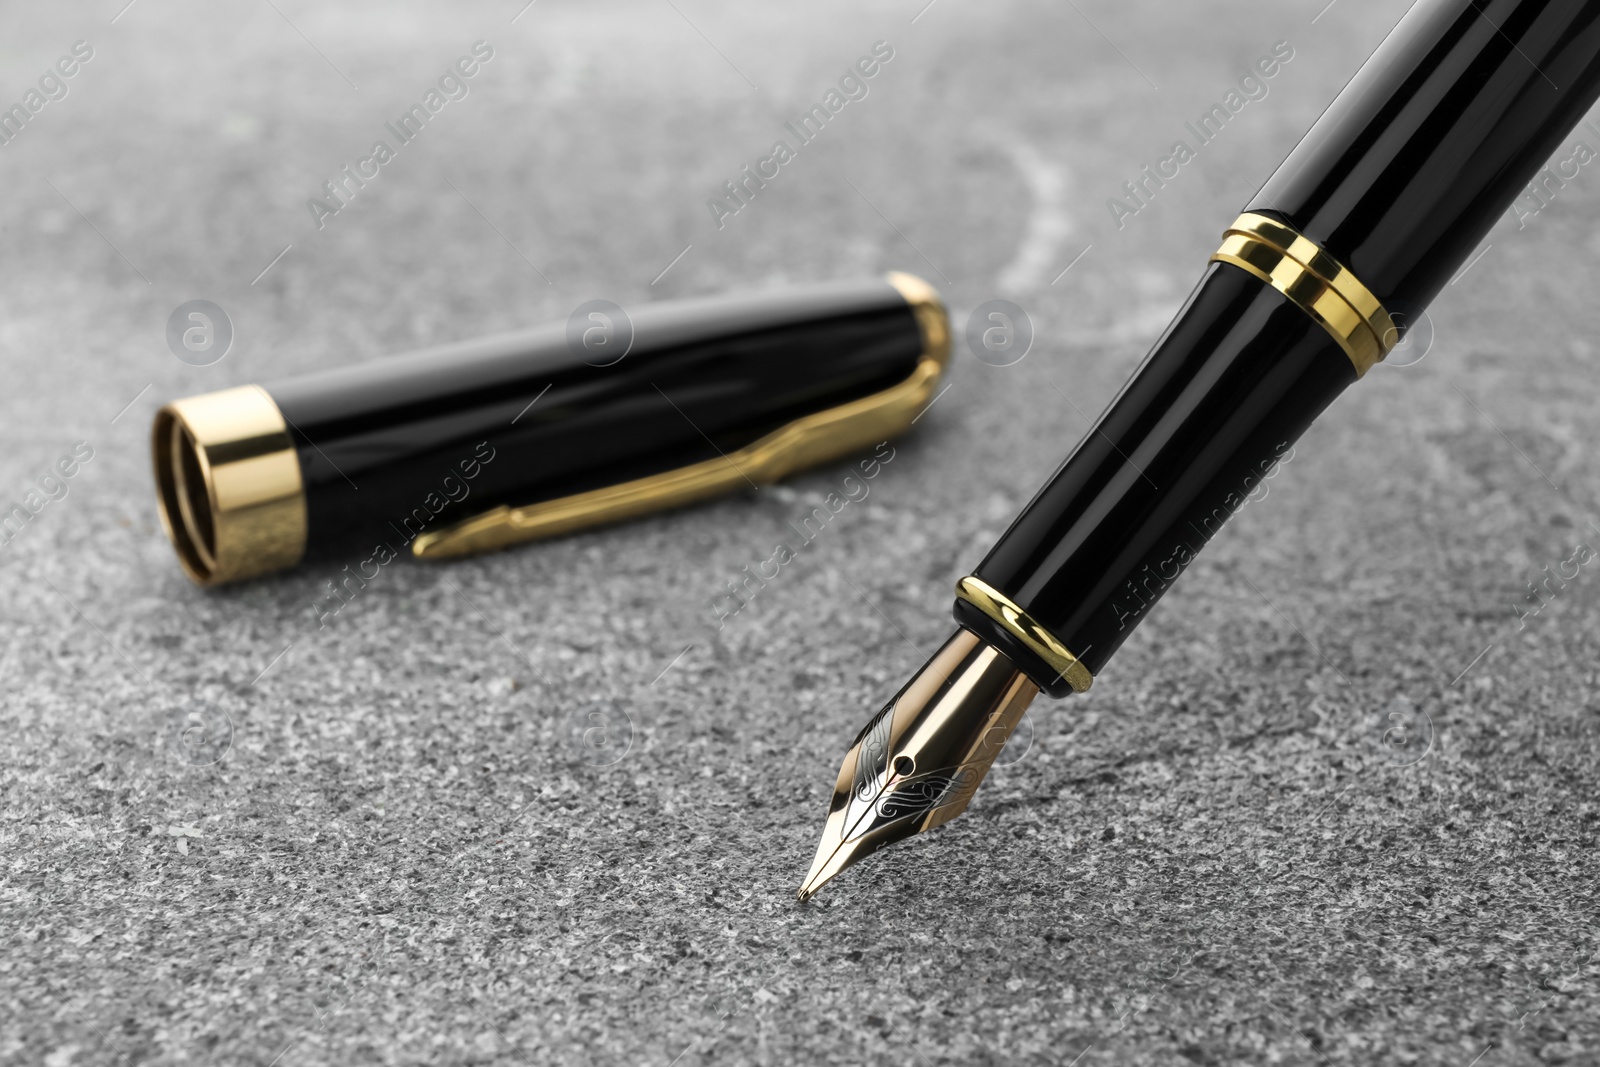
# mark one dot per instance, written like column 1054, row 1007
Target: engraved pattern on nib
column 929, row 792
column 954, row 715
column 873, row 758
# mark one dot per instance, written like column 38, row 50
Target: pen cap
column 475, row 446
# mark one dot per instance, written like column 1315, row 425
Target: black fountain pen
column 1368, row 218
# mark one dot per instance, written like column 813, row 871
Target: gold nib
column 918, row 762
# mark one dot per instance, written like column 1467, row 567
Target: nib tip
column 829, row 862
column 812, row 886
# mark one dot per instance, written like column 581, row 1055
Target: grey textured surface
column 404, row 855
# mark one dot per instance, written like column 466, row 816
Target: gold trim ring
column 1323, row 287
column 1025, row 628
column 228, row 480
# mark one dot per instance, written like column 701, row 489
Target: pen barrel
column 1365, row 221
column 1436, row 136
column 389, row 454
column 1196, row 432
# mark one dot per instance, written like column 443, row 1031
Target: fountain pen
column 1363, row 223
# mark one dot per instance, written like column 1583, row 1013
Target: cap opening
column 185, row 497
column 228, row 482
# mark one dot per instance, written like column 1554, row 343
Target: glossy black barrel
column 539, row 415
column 1400, row 179
column 1438, row 133
column 1236, row 379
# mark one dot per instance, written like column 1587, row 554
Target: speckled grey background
column 407, row 854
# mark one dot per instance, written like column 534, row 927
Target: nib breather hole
column 904, row 766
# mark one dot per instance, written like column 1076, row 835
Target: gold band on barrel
column 229, row 484
column 1026, row 629
column 1323, row 287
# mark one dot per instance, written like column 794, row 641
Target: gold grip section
column 228, row 482
column 1025, row 628
column 805, row 442
column 1323, row 287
